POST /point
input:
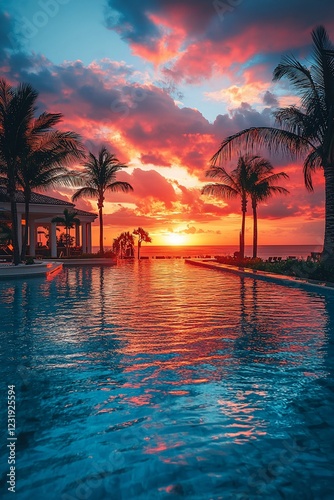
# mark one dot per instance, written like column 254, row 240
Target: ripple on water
column 155, row 378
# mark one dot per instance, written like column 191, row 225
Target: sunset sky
column 161, row 84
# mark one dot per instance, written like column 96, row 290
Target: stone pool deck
column 261, row 275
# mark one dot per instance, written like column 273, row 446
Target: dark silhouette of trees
column 123, row 245
column 253, row 177
column 32, row 153
column 142, row 236
column 99, row 177
column 305, row 131
column 69, row 221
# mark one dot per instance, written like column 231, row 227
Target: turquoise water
column 156, row 379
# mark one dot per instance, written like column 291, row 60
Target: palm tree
column 45, row 164
column 69, row 221
column 142, row 236
column 261, row 188
column 231, row 186
column 253, row 177
column 32, row 154
column 99, row 177
column 17, row 107
column 124, row 245
column 305, row 131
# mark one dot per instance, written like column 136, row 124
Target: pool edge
column 261, row 275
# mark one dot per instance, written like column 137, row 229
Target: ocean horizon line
column 264, row 251
column 149, row 245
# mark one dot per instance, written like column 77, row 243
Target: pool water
column 156, row 379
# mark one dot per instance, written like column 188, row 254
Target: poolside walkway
column 41, row 268
column 90, row 262
column 47, row 267
column 261, row 275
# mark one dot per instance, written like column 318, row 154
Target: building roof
column 41, row 199
column 82, row 212
column 36, row 198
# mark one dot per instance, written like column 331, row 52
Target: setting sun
column 175, row 239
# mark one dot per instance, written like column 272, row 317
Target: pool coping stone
column 262, row 275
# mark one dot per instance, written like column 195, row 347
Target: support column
column 77, row 235
column 53, row 240
column 84, row 236
column 32, row 237
column 89, row 237
column 19, row 231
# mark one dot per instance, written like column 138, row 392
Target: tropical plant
column 17, row 107
column 99, row 176
column 116, row 246
column 124, row 245
column 69, row 221
column 305, row 131
column 142, row 236
column 46, row 162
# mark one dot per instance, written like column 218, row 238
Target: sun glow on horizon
column 175, row 239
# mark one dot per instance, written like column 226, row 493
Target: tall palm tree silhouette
column 253, row 177
column 46, row 161
column 142, row 236
column 262, row 187
column 17, row 107
column 305, row 131
column 231, row 186
column 33, row 154
column 99, row 176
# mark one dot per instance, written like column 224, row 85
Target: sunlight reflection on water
column 158, row 378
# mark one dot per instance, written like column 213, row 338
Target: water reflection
column 165, row 368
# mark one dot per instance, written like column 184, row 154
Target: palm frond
column 45, row 122
column 274, row 139
column 88, row 191
column 220, row 190
column 125, row 187
column 302, row 79
column 323, row 67
column 223, row 176
column 312, row 162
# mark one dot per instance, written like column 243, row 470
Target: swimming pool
column 156, row 379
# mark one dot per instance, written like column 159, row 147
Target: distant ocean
column 264, row 251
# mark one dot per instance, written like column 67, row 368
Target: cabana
column 42, row 210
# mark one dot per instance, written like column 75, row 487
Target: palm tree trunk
column 13, row 209
column 67, row 242
column 242, row 236
column 26, row 227
column 328, row 250
column 139, row 245
column 243, row 224
column 254, row 229
column 101, row 229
